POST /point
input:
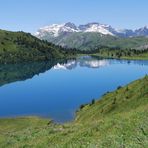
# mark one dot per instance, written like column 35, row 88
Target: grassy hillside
column 20, row 47
column 91, row 41
column 118, row 119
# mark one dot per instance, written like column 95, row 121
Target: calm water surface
column 57, row 89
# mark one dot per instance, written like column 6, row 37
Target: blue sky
column 29, row 15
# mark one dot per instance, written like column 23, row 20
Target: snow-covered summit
column 97, row 27
column 56, row 29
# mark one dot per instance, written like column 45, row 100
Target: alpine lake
column 56, row 89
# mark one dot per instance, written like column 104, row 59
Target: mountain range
column 56, row 30
column 92, row 35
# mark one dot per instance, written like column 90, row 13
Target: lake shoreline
column 121, row 58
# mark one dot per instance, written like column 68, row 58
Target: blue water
column 56, row 90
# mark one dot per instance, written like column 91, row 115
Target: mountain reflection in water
column 86, row 61
column 19, row 72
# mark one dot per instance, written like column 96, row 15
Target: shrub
column 82, row 106
column 93, row 101
column 119, row 87
column 127, row 89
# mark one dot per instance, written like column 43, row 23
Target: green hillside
column 120, row 53
column 91, row 41
column 118, row 119
column 21, row 47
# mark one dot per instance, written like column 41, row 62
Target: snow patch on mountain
column 103, row 29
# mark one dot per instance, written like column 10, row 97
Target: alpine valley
column 73, row 86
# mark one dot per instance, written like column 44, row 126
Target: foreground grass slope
column 118, row 119
column 23, row 47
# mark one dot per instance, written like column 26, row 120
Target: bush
column 93, row 101
column 82, row 106
column 119, row 87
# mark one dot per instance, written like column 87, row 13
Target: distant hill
column 93, row 35
column 91, row 41
column 23, row 47
column 118, row 119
